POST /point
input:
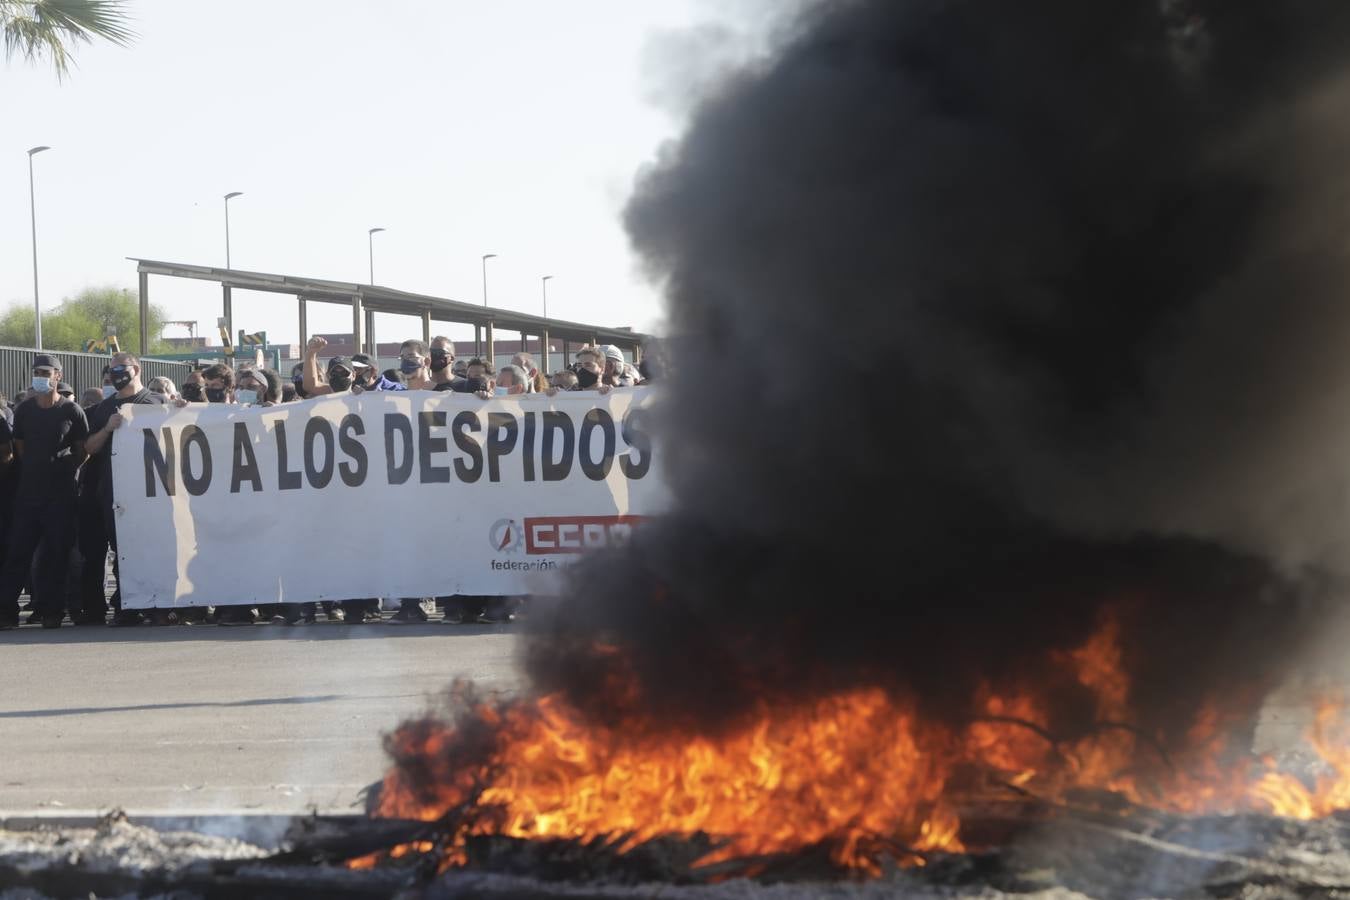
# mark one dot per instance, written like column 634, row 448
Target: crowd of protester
column 56, row 497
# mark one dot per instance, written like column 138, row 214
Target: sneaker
column 337, row 614
column 371, row 616
column 278, row 619
column 409, row 615
column 164, row 617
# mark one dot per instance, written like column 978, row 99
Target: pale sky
column 512, row 126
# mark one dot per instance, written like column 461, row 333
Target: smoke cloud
column 988, row 318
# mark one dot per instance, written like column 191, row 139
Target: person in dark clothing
column 48, row 436
column 367, row 378
column 443, row 367
column 96, row 493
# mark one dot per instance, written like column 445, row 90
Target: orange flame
column 842, row 770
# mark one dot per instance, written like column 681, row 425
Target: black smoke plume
column 988, row 317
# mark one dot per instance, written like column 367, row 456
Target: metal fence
column 79, row 370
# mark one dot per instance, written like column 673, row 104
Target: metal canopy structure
column 366, row 299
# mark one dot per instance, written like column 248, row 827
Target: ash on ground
column 1151, row 855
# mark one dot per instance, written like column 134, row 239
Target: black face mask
column 192, row 393
column 340, row 381
column 476, row 384
column 409, row 367
column 586, row 378
column 439, row 360
column 215, row 395
column 120, row 379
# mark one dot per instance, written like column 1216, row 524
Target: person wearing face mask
column 258, row 387
column 414, row 365
column 298, row 380
column 48, row 436
column 443, row 366
column 369, row 378
column 475, row 376
column 617, row 373
column 511, row 380
column 218, row 383
column 163, row 386
column 97, row 531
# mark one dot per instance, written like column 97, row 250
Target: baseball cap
column 338, row 361
column 46, row 359
column 65, row 389
column 612, row 352
column 359, row 361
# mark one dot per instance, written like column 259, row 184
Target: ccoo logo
column 506, row 536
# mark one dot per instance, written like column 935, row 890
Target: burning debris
column 1032, row 489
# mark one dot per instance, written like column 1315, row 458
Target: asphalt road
column 203, row 718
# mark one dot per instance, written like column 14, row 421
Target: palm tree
column 51, row 28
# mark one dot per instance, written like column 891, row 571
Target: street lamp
column 228, row 197
column 32, row 214
column 370, row 238
column 486, row 257
column 544, row 283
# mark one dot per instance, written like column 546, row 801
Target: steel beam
column 357, row 322
column 145, row 313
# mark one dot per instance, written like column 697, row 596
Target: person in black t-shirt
column 443, row 366
column 49, row 434
column 96, row 498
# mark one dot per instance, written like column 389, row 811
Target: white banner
column 412, row 494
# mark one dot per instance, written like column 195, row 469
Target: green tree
column 37, row 29
column 90, row 315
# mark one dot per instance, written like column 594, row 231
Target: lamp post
column 32, row 214
column 543, row 336
column 228, row 197
column 486, row 257
column 370, row 237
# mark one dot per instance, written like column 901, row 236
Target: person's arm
column 79, row 431
column 96, row 441
column 312, row 382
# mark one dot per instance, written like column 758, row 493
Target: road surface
column 202, row 718
column 266, row 719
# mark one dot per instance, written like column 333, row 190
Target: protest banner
column 381, row 494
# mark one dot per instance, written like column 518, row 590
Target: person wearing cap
column 48, row 437
column 370, row 378
column 96, row 532
column 258, row 387
column 617, row 371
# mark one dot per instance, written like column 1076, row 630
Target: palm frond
column 51, row 28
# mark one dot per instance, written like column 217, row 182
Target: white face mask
column 42, row 384
column 245, row 396
column 109, row 391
